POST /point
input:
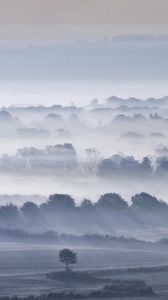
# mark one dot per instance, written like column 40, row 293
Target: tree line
column 61, row 213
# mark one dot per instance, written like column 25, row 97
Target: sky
column 75, row 50
column 48, row 21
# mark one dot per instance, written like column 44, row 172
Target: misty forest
column 83, row 149
column 86, row 214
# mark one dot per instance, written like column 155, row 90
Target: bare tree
column 93, row 160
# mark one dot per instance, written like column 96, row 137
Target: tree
column 67, row 257
column 94, row 158
column 145, row 201
column 86, row 204
column 9, row 215
column 30, row 210
column 59, row 202
column 112, row 201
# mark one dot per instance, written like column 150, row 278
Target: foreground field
column 24, row 267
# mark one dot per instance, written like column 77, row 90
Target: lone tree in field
column 67, row 257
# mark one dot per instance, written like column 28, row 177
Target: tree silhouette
column 67, row 257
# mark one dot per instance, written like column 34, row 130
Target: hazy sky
column 35, row 69
column 48, row 21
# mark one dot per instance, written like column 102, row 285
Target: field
column 23, row 268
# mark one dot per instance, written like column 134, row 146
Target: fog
column 116, row 145
column 60, row 218
column 79, row 70
column 84, row 149
column 88, row 177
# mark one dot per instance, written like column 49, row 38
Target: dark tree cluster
column 124, row 166
column 61, row 213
